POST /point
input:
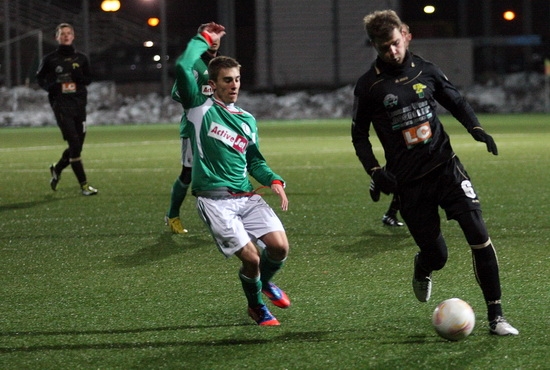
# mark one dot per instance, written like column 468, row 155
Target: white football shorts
column 235, row 221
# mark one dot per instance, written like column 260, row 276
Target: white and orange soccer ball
column 453, row 319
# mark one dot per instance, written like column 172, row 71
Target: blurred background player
column 64, row 74
column 405, row 29
column 181, row 185
column 390, row 217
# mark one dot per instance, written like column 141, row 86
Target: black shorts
column 71, row 120
column 448, row 186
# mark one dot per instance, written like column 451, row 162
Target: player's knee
column 474, row 228
column 249, row 256
column 75, row 148
column 276, row 245
column 277, row 252
column 73, row 160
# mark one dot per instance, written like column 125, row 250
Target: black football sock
column 394, row 207
column 494, row 309
column 78, row 170
column 392, row 212
column 487, row 274
column 420, row 272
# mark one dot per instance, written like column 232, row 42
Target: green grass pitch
column 100, row 283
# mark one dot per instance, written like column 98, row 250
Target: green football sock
column 252, row 288
column 177, row 196
column 268, row 267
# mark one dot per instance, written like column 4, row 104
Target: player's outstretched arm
column 186, row 90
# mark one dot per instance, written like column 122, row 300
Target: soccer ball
column 453, row 319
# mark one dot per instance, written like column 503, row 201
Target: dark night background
column 184, row 16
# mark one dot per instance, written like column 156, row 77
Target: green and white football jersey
column 224, row 137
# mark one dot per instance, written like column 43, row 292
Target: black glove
column 384, row 181
column 374, row 191
column 480, row 135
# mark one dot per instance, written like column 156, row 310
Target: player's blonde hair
column 381, row 23
column 61, row 26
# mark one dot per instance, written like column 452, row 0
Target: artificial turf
column 100, row 283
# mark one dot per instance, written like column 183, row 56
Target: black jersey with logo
column 400, row 102
column 64, row 74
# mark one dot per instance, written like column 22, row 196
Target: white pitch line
column 109, row 170
column 91, row 145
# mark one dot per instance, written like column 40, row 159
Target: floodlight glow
column 429, row 9
column 110, row 5
column 153, row 21
column 509, row 15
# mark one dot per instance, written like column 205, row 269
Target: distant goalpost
column 7, row 52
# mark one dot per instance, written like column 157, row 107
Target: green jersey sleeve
column 185, row 89
column 258, row 168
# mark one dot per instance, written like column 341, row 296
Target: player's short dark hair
column 219, row 63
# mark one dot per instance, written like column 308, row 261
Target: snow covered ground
column 23, row 106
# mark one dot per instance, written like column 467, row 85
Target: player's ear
column 212, row 84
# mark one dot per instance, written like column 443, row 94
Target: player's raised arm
column 187, row 90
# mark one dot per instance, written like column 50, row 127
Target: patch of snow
column 24, row 106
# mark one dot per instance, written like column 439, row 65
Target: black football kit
column 64, row 74
column 400, row 102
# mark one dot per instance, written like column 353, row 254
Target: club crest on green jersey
column 245, row 128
